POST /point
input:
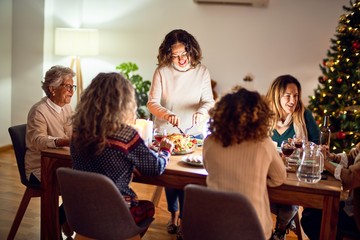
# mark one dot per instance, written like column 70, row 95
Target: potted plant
column 141, row 86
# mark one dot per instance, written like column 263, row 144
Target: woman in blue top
column 291, row 118
column 104, row 140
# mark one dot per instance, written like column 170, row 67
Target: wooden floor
column 11, row 191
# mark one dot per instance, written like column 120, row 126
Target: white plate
column 195, row 160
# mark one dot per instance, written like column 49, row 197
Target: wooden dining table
column 323, row 195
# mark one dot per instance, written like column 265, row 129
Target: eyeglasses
column 181, row 55
column 69, row 87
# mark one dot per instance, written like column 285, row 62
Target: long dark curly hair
column 240, row 115
column 192, row 47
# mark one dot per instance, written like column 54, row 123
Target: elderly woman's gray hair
column 55, row 77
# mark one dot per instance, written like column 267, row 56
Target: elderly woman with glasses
column 180, row 96
column 49, row 121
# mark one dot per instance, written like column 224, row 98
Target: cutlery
column 188, row 129
column 181, row 131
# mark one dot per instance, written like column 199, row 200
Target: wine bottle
column 325, row 132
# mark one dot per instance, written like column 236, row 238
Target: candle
column 145, row 129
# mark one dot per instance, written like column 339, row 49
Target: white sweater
column 249, row 168
column 181, row 94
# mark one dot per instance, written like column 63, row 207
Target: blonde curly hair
column 106, row 105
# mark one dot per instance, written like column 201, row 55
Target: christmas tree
column 338, row 94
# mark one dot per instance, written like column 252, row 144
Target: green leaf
column 141, row 86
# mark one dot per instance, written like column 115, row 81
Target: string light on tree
column 338, row 90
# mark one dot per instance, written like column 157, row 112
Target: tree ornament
column 341, row 135
column 341, row 28
column 343, row 17
column 330, row 63
column 356, row 45
column 343, row 116
column 339, row 80
column 321, row 79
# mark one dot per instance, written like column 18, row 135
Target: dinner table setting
column 186, row 167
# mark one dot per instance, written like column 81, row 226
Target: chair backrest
column 210, row 214
column 94, row 206
column 17, row 135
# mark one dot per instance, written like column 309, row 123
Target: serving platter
column 156, row 148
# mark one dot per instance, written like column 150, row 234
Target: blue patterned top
column 126, row 151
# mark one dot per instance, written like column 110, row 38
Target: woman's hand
column 166, row 144
column 173, row 120
column 332, row 157
column 354, row 152
column 197, row 118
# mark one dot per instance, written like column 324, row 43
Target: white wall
column 27, row 57
column 288, row 36
column 5, row 69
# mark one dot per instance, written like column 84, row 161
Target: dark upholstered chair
column 347, row 234
column 95, row 208
column 17, row 135
column 210, row 215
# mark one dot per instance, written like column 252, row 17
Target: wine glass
column 299, row 141
column 159, row 134
column 287, row 148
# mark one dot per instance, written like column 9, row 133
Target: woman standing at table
column 105, row 142
column 49, row 124
column 239, row 155
column 180, row 95
column 291, row 118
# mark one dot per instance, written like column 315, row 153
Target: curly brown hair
column 106, row 105
column 192, row 47
column 240, row 115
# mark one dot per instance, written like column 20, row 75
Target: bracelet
column 337, row 172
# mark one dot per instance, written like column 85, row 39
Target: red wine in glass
column 287, row 151
column 158, row 137
column 159, row 134
column 287, row 147
column 298, row 144
column 298, row 141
